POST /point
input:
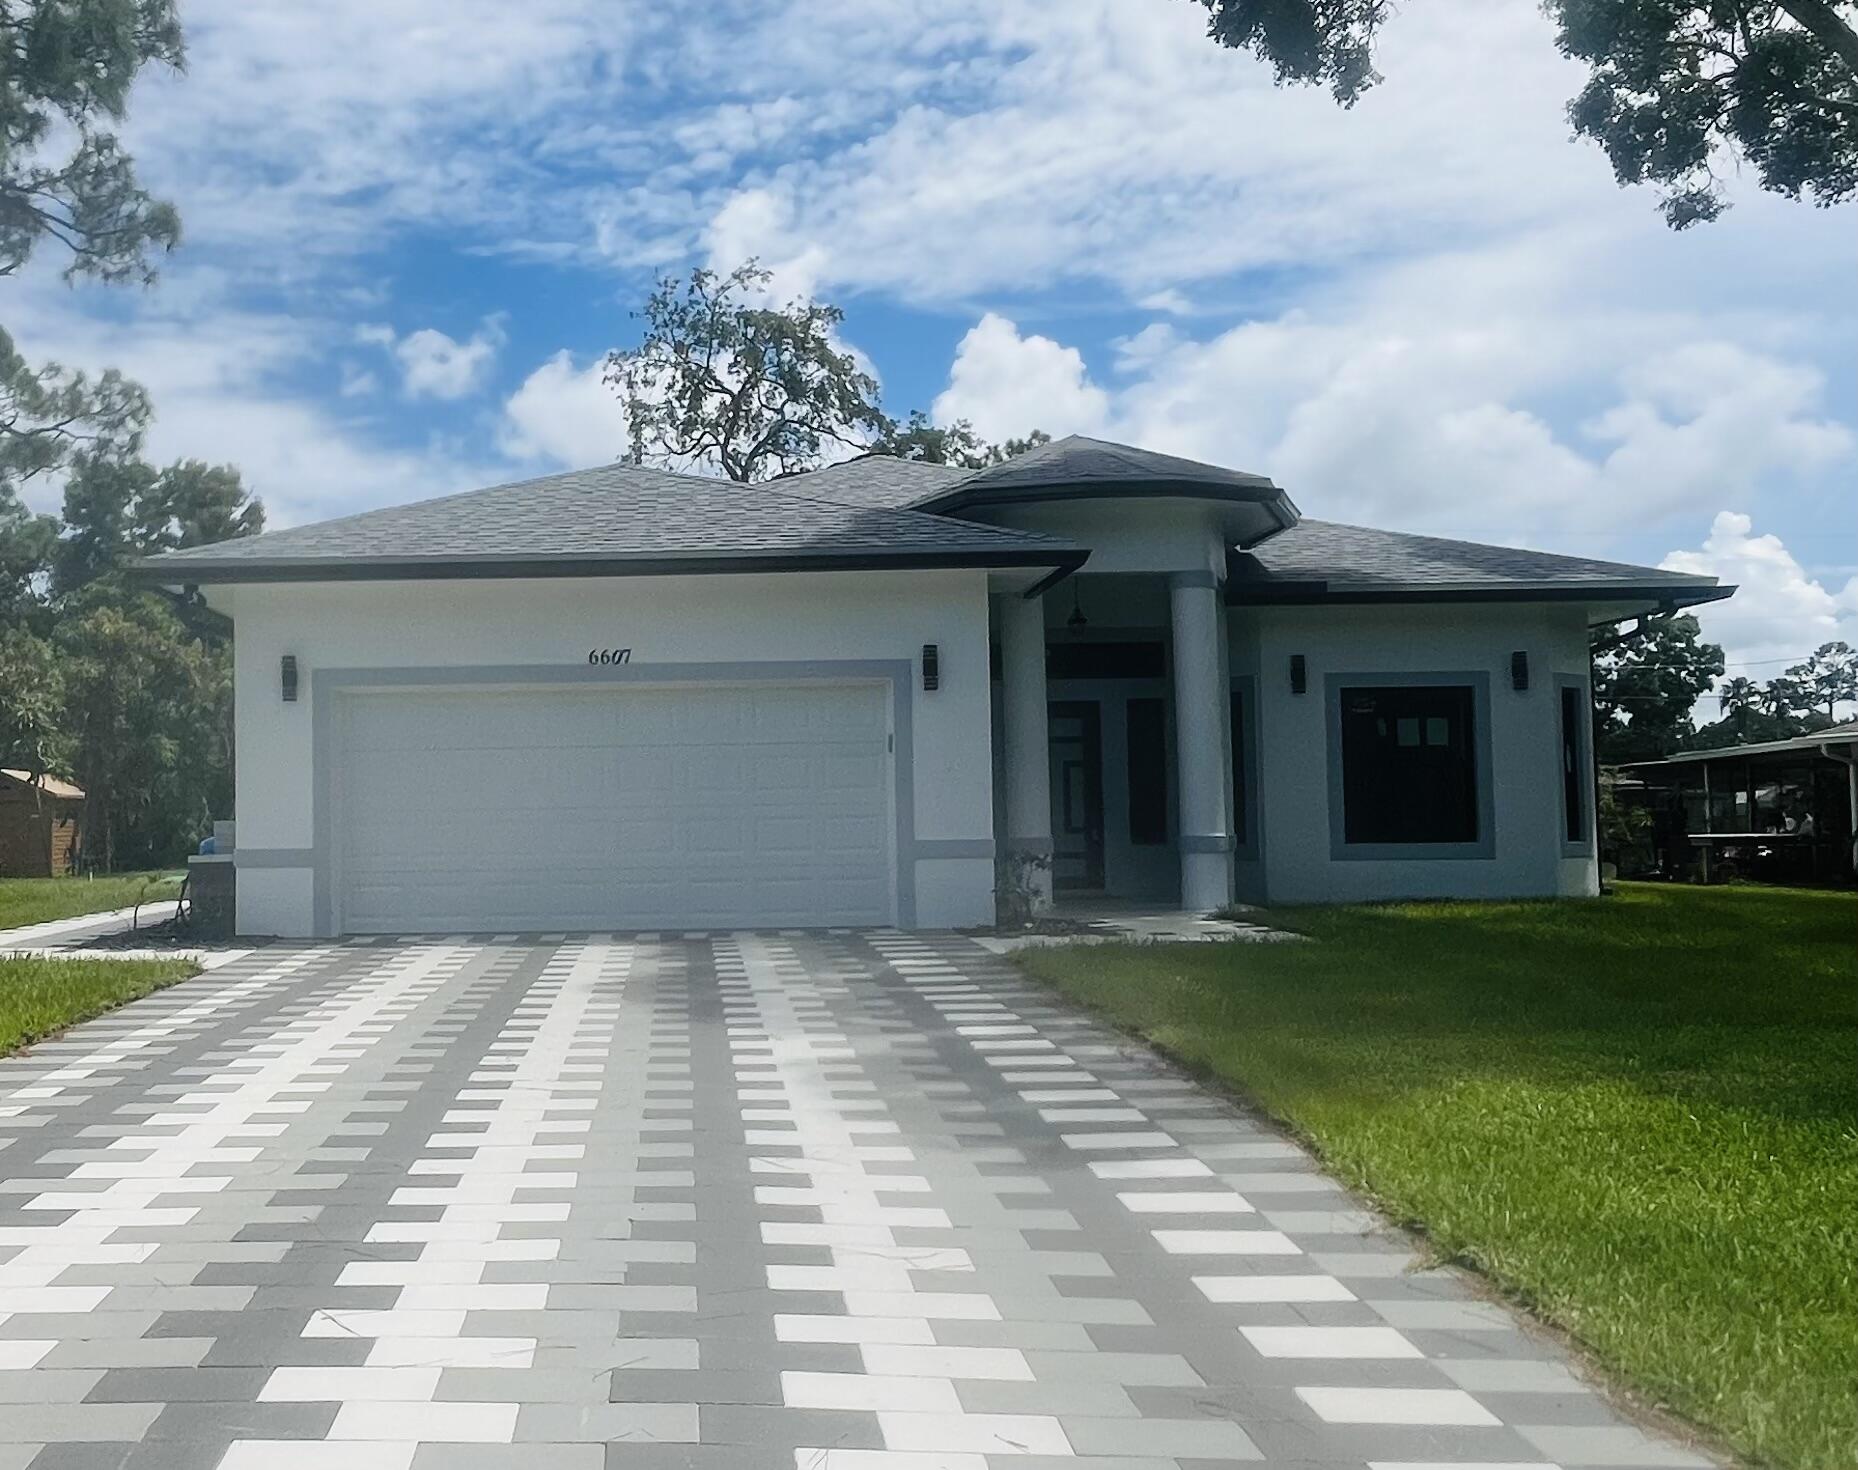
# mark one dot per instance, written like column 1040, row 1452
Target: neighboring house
column 1782, row 809
column 40, row 820
column 625, row 699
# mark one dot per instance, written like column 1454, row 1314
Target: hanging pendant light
column 1077, row 618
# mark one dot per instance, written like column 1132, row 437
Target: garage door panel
column 754, row 805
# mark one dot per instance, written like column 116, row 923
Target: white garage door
column 750, row 806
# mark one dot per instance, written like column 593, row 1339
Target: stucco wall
column 1525, row 751
column 664, row 620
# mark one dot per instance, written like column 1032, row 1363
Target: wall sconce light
column 932, row 666
column 287, row 672
column 1519, row 671
column 1299, row 674
column 1077, row 619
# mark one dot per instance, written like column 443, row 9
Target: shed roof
column 50, row 785
column 1843, row 733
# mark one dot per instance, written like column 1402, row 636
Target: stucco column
column 1202, row 707
column 1028, row 754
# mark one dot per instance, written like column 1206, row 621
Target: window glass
column 1573, row 768
column 1148, row 772
column 1409, row 772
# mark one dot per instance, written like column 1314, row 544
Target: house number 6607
column 609, row 655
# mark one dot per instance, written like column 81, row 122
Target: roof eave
column 1242, row 592
column 181, row 573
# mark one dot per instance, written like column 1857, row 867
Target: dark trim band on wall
column 1213, row 842
column 274, row 857
column 930, row 848
column 325, row 684
column 1029, row 846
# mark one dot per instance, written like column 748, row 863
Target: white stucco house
column 624, row 699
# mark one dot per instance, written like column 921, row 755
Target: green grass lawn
column 38, row 900
column 42, row 996
column 1637, row 1114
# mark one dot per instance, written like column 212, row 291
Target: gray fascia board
column 493, row 566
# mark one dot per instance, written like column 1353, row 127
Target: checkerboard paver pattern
column 813, row 1201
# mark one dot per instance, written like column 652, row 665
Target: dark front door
column 1076, row 732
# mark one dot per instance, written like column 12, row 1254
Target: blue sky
column 415, row 226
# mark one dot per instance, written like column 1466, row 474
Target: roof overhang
column 179, row 572
column 1256, row 513
column 1614, row 600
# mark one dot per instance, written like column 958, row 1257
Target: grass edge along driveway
column 41, row 997
column 1637, row 1115
column 40, row 900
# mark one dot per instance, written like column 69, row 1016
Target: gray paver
column 710, row 1200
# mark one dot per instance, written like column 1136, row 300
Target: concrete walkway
column 74, row 933
column 814, row 1202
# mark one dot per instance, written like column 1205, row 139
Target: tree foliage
column 1829, row 677
column 721, row 380
column 110, row 684
column 1804, row 699
column 1645, row 689
column 724, row 381
column 117, row 510
column 145, row 707
column 115, row 686
column 957, row 444
column 66, row 68
column 1670, row 82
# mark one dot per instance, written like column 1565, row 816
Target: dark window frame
column 1480, row 848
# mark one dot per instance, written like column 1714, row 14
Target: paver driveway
column 858, row 1201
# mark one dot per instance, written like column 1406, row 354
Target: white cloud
column 1446, row 314
column 433, row 365
column 1779, row 613
column 223, row 385
column 564, row 416
column 1175, row 303
column 1365, row 416
column 1006, row 385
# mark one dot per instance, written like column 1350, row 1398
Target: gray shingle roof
column 1077, row 465
column 1316, row 557
column 617, row 517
